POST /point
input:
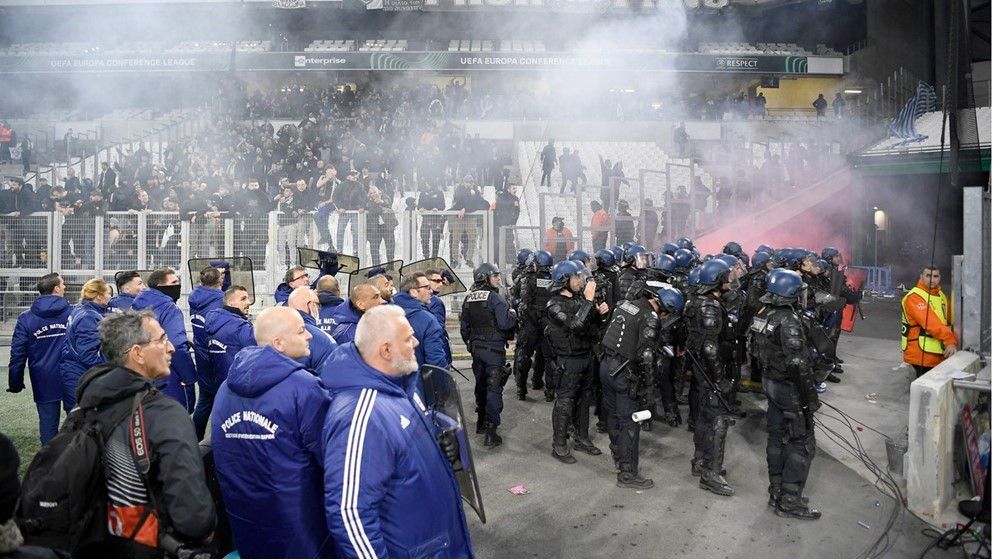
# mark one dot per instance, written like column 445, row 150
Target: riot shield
column 237, row 271
column 446, row 412
column 453, row 285
column 326, row 261
column 391, row 269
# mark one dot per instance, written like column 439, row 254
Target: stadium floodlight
column 852, row 91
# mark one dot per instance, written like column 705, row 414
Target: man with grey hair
column 389, row 489
column 138, row 354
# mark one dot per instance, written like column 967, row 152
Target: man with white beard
column 389, row 490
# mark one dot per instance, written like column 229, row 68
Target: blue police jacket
column 120, row 302
column 184, row 372
column 432, row 349
column 437, row 308
column 328, row 302
column 266, row 434
column 282, row 294
column 321, row 344
column 389, row 491
column 82, row 346
column 227, row 333
column 39, row 337
column 346, row 318
column 201, row 301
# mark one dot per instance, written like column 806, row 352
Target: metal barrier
column 463, row 239
column 878, row 279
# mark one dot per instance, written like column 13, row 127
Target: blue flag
column 924, row 100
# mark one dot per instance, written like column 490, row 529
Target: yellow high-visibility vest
column 939, row 304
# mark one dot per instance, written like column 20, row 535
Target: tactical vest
column 939, row 304
column 482, row 323
column 765, row 341
column 621, row 336
column 542, row 295
column 565, row 342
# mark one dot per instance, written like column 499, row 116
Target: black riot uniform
column 486, row 324
column 534, row 296
column 606, row 292
column 755, row 280
column 627, row 377
column 672, row 340
column 733, row 345
column 572, row 324
column 706, row 322
column 781, row 342
column 631, row 282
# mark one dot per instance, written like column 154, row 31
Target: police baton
column 713, row 387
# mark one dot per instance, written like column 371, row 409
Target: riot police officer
column 672, row 340
column 581, row 256
column 632, row 276
column 733, row 348
column 605, row 276
column 534, row 296
column 755, row 281
column 663, row 268
column 486, row 324
column 523, row 258
column 706, row 321
column 781, row 340
column 631, row 349
column 669, row 248
column 683, row 259
column 572, row 321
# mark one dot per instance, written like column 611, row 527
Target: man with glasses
column 306, row 302
column 294, row 278
column 436, row 306
column 415, row 294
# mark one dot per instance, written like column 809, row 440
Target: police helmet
column 671, row 300
column 523, row 256
column 684, row 243
column 829, row 253
column 665, row 264
column 693, row 278
column 784, row 283
column 823, row 264
column 683, row 258
column 670, row 248
column 765, row 249
column 579, row 255
column 730, row 260
column 483, row 272
column 632, row 252
column 733, row 248
column 604, row 258
column 713, row 274
column 543, row 259
column 618, row 252
column 562, row 272
column 760, row 258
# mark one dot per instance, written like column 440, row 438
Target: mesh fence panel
column 25, row 241
column 250, row 239
column 346, row 231
column 120, row 242
column 78, row 243
column 382, row 227
column 292, row 231
column 206, row 236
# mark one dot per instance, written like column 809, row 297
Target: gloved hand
column 450, row 447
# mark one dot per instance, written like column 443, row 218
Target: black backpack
column 63, row 502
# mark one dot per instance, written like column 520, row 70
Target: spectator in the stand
column 251, row 206
column 120, row 246
column 760, row 102
column 82, row 347
column 463, row 228
column 566, row 167
column 381, row 224
column 26, row 148
column 547, row 156
column 559, row 240
column 6, row 141
column 271, row 479
column 324, row 189
column 107, row 181
column 506, row 212
column 37, row 342
column 295, row 277
column 286, row 234
column 681, row 209
column 599, row 225
column 346, row 316
column 838, row 104
column 680, row 139
column 649, row 225
column 129, row 285
column 623, row 223
column 432, row 199
column 350, row 198
column 24, row 199
column 820, row 104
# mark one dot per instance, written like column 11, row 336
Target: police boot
column 713, row 481
column 617, row 460
column 480, row 422
column 792, row 505
column 776, row 490
column 491, row 439
column 586, row 446
column 560, row 427
column 634, row 480
column 549, row 395
column 697, row 465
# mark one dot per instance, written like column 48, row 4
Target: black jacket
column 572, row 323
column 177, row 476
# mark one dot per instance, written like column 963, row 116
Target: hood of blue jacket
column 150, row 298
column 219, row 319
column 345, row 370
column 257, row 369
column 89, row 305
column 409, row 304
column 49, row 306
column 345, row 313
column 308, row 319
column 328, row 299
column 283, row 292
column 203, row 298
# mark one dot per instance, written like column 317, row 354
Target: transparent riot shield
column 391, row 269
column 446, row 412
column 326, row 261
column 237, row 271
column 453, row 285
